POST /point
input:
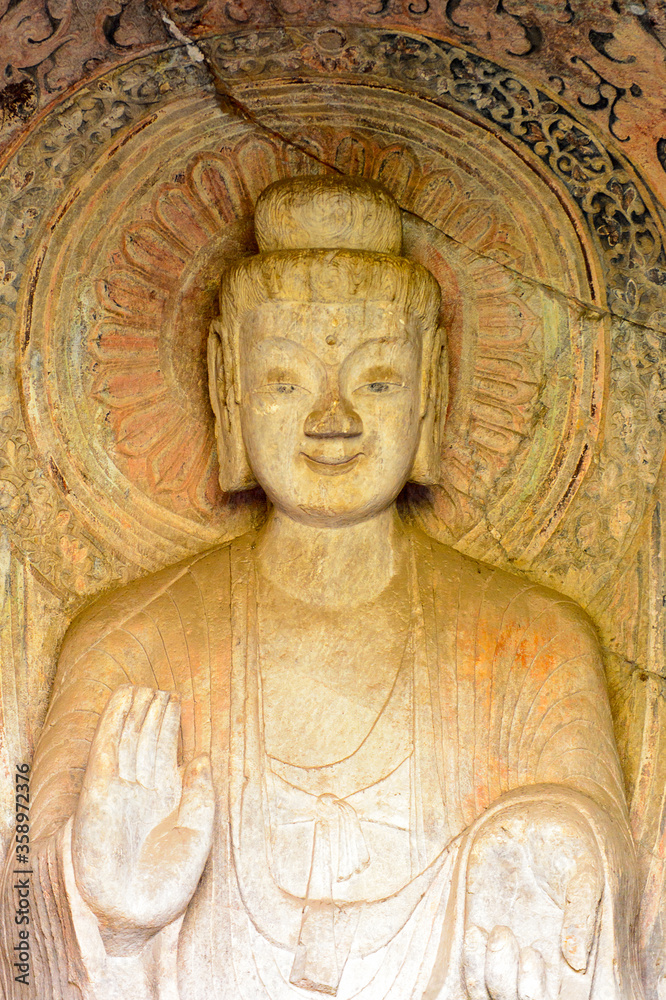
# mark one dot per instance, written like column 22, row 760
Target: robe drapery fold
column 509, row 699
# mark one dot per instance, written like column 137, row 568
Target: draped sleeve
column 520, row 689
column 151, row 633
column 526, row 722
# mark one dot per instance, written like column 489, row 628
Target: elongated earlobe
column 235, row 472
column 426, row 470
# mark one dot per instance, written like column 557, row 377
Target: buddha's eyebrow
column 381, row 372
column 280, row 373
column 282, row 343
column 289, row 349
column 382, row 342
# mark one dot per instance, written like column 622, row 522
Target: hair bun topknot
column 327, row 212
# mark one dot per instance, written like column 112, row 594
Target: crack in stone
column 226, row 100
column 229, row 103
column 634, row 666
column 590, row 309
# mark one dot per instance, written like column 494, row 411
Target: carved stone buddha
column 333, row 756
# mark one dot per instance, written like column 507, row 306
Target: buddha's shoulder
column 204, row 576
column 485, row 589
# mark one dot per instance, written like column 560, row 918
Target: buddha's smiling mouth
column 331, row 466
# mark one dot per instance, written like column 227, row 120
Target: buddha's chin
column 344, row 493
column 330, row 517
column 335, row 508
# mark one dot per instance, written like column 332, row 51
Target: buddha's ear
column 426, row 469
column 235, row 472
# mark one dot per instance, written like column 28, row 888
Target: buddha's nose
column 337, row 419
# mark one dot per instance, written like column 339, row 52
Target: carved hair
column 320, row 239
column 327, row 239
column 326, row 212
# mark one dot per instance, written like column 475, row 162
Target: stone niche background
column 132, row 182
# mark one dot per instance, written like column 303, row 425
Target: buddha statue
column 333, row 756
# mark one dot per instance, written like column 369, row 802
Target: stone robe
column 505, row 699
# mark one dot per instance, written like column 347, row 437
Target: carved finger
column 166, row 755
column 129, row 738
column 185, row 845
column 474, row 963
column 197, row 802
column 502, row 957
column 174, row 854
column 148, row 737
column 580, row 917
column 103, row 759
column 532, row 976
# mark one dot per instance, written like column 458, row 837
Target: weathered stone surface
column 604, row 58
column 400, row 768
column 122, row 204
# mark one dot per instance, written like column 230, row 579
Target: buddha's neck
column 331, row 567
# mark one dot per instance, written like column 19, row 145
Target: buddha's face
column 330, row 406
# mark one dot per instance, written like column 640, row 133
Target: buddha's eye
column 381, row 387
column 283, row 388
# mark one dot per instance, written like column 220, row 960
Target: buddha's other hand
column 534, row 886
column 141, row 832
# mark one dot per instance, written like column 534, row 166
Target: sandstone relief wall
column 525, row 146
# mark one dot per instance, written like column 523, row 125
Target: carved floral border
column 606, row 57
column 625, row 228
column 613, row 207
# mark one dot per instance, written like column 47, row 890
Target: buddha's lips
column 331, row 466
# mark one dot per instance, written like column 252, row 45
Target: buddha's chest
column 326, row 678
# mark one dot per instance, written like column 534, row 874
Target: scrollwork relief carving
column 613, row 205
column 43, row 530
column 602, row 59
column 138, row 281
column 359, row 761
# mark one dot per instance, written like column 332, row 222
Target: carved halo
column 114, row 375
column 155, row 302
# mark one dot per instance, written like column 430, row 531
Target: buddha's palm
column 533, row 890
column 141, row 833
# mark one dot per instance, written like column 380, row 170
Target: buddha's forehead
column 328, row 328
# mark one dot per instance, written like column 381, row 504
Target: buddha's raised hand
column 141, row 833
column 534, row 885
